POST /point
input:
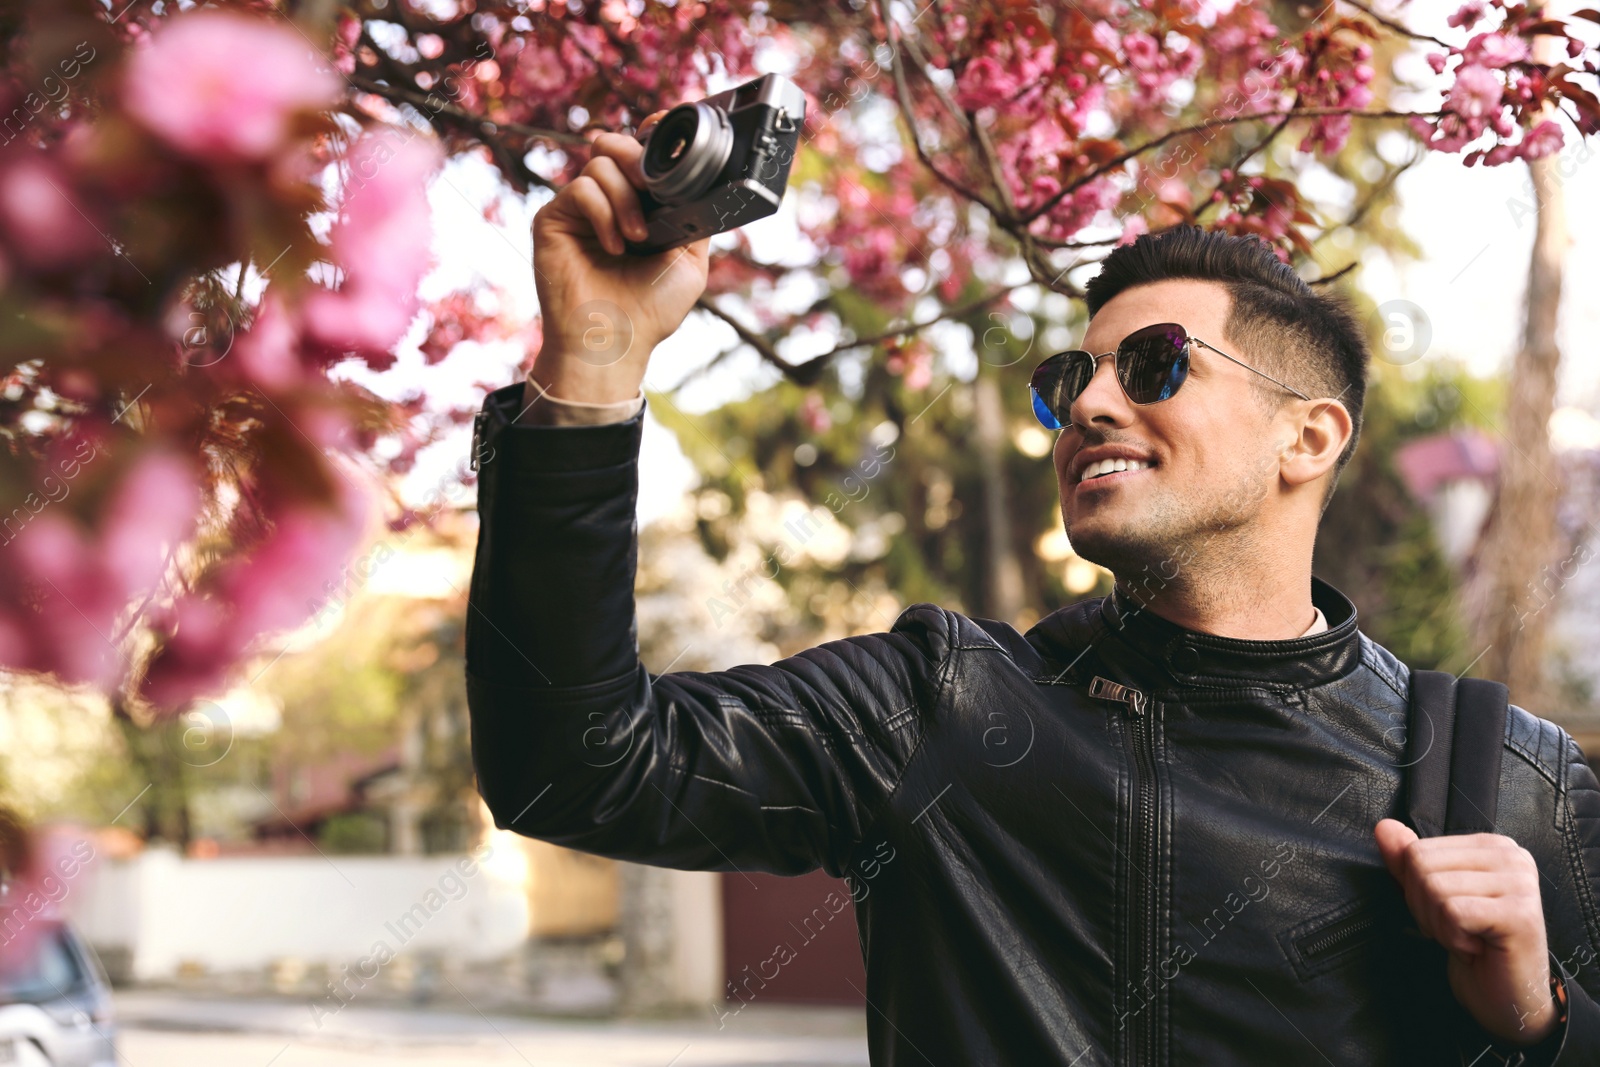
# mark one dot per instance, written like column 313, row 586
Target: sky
column 1474, row 227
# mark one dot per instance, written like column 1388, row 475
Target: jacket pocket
column 1332, row 939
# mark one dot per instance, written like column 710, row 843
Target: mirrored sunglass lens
column 1056, row 384
column 1153, row 363
column 1042, row 412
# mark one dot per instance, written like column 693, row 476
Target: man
column 1156, row 829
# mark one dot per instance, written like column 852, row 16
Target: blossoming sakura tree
column 205, row 212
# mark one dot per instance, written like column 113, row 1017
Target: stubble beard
column 1165, row 538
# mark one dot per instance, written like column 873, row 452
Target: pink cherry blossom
column 1475, row 95
column 277, row 586
column 1468, row 15
column 153, row 512
column 541, row 70
column 814, row 414
column 81, row 579
column 1077, row 210
column 268, row 353
column 43, row 217
column 1495, row 50
column 1543, row 140
column 985, row 83
column 1010, row 67
column 215, row 84
column 381, row 242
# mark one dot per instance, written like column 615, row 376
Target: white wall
column 246, row 913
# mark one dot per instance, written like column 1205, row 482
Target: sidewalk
column 181, row 1030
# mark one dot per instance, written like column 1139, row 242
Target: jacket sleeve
column 1581, row 829
column 777, row 768
column 1577, row 1041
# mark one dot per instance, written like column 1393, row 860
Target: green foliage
column 898, row 465
column 354, row 834
column 1376, row 543
column 340, row 694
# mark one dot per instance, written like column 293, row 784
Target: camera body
column 719, row 163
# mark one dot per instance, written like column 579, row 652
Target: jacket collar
column 1193, row 658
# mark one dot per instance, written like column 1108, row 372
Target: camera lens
column 686, row 151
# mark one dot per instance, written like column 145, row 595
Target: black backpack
column 1455, row 737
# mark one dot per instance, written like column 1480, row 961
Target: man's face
column 1212, row 447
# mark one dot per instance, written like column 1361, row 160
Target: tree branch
column 1391, row 24
column 808, row 372
column 1340, row 273
column 476, row 124
column 903, row 98
column 762, row 346
column 1200, row 127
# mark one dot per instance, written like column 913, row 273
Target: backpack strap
column 1453, row 746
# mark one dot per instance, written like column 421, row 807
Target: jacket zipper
column 1327, row 941
column 1142, row 903
column 480, row 422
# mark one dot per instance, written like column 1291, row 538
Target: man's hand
column 1478, row 896
column 605, row 310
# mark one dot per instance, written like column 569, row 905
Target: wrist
column 1539, row 1041
column 1536, row 1027
column 573, row 377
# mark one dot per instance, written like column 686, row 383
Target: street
column 163, row 1029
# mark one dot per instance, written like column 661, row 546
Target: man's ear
column 1317, row 435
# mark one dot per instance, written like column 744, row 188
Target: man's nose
column 1103, row 397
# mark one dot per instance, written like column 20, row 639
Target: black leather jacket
column 1110, row 840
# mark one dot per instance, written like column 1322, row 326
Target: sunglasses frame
column 1040, row 409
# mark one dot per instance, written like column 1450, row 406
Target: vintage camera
column 719, row 163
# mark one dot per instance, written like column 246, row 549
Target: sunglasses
column 1151, row 365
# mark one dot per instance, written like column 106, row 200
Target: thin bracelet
column 545, row 394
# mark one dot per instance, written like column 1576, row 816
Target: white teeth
column 1108, row 466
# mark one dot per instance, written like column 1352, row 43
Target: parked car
column 55, row 1011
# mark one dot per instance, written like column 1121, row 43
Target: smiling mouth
column 1103, row 473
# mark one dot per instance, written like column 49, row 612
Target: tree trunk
column 163, row 807
column 1002, row 571
column 1510, row 591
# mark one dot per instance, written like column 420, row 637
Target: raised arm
column 779, row 768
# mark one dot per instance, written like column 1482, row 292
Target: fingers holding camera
column 607, row 173
column 649, row 123
column 587, row 195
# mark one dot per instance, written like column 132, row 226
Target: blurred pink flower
column 1132, row 228
column 1542, row 140
column 218, row 84
column 985, row 83
column 542, row 70
column 814, row 414
column 1476, row 93
column 43, row 224
column 381, row 243
column 276, row 587
column 1073, row 213
column 1468, row 15
column 83, row 581
column 154, row 510
column 1495, row 50
column 268, row 353
column 919, row 368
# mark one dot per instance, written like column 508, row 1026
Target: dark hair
column 1311, row 340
